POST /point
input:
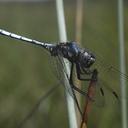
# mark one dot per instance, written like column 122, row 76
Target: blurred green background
column 26, row 70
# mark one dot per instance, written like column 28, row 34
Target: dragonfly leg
column 79, row 90
column 71, row 74
column 73, row 92
column 79, row 73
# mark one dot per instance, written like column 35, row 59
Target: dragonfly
column 80, row 58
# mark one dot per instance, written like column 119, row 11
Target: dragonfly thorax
column 74, row 54
column 69, row 51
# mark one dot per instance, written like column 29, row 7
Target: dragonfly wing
column 55, row 67
column 99, row 97
column 61, row 68
column 110, row 78
column 112, row 70
column 105, row 95
column 112, row 95
column 59, row 71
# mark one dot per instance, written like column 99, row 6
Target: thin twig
column 79, row 22
column 89, row 99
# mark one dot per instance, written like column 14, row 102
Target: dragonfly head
column 87, row 59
